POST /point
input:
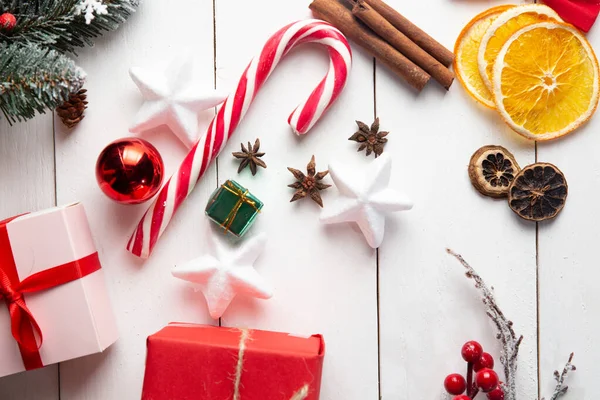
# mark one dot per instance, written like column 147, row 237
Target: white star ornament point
column 173, row 98
column 365, row 198
column 226, row 271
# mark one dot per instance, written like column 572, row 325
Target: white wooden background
column 393, row 320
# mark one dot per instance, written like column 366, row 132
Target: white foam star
column 226, row 271
column 174, row 98
column 365, row 198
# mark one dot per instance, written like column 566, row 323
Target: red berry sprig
column 486, row 380
column 7, row 22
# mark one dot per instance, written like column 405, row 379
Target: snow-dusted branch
column 561, row 388
column 509, row 340
column 506, row 334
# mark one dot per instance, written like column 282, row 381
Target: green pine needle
column 55, row 23
column 33, row 79
column 35, row 75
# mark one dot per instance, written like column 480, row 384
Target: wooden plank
column 427, row 307
column 27, row 184
column 144, row 294
column 324, row 277
column 569, row 298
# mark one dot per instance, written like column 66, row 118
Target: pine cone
column 71, row 111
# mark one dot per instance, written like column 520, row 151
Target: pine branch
column 59, row 24
column 508, row 339
column 33, row 79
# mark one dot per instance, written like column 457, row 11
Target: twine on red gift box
column 240, row 363
column 301, row 394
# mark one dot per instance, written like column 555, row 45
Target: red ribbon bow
column 22, row 320
column 24, row 327
column 581, row 13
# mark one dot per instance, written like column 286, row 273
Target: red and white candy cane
column 195, row 164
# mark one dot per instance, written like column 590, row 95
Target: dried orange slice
column 466, row 50
column 492, row 169
column 538, row 192
column 502, row 28
column 545, row 80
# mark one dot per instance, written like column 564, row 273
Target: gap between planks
column 55, row 204
column 537, row 287
column 377, row 255
column 214, row 10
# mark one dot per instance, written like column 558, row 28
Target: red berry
column 487, row 380
column 7, row 21
column 471, row 351
column 486, row 361
column 455, row 384
column 496, row 394
column 463, row 397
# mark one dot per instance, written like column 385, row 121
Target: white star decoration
column 226, row 271
column 174, row 98
column 365, row 198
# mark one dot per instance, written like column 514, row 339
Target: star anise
column 309, row 185
column 251, row 157
column 370, row 138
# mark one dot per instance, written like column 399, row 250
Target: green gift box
column 233, row 207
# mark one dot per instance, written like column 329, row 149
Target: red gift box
column 200, row 362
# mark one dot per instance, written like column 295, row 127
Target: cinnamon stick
column 341, row 17
column 403, row 44
column 413, row 32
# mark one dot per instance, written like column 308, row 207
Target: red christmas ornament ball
column 496, row 394
column 8, row 21
column 129, row 171
column 487, row 380
column 471, row 351
column 462, row 397
column 486, row 361
column 455, row 384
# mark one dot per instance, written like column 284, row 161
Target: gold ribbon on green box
column 242, row 199
column 233, row 207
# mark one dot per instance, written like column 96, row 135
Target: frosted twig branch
column 508, row 338
column 561, row 388
column 506, row 334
